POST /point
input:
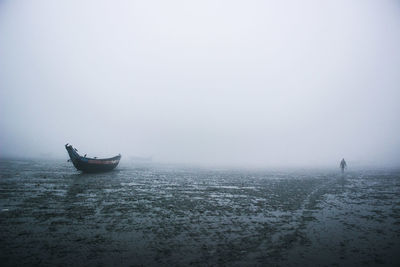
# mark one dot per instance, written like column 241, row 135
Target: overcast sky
column 257, row 83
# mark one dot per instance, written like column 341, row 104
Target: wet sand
column 163, row 215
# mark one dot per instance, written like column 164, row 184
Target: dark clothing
column 343, row 165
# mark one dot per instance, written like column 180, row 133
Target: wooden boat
column 91, row 164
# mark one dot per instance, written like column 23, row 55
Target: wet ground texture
column 51, row 215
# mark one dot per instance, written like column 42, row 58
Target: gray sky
column 256, row 83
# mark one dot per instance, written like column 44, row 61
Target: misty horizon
column 209, row 83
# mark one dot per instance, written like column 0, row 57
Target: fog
column 241, row 83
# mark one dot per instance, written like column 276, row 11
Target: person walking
column 343, row 165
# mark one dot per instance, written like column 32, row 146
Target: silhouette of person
column 343, row 165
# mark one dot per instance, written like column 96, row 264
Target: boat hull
column 91, row 165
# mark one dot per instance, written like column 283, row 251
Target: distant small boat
column 141, row 159
column 91, row 164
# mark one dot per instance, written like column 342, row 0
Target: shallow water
column 167, row 215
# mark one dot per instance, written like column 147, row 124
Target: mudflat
column 156, row 215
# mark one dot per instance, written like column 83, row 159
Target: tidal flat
column 159, row 215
